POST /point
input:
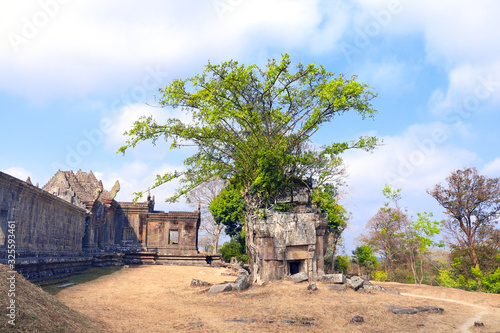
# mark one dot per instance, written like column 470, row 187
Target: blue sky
column 75, row 75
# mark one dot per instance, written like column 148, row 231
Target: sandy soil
column 160, row 299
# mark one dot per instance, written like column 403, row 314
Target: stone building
column 286, row 243
column 73, row 223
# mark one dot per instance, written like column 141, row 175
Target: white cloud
column 18, row 172
column 470, row 89
column 492, row 168
column 414, row 161
column 106, row 46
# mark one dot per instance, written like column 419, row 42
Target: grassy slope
column 38, row 311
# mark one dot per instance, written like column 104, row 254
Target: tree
column 472, row 203
column 364, row 257
column 417, row 241
column 253, row 126
column 228, row 209
column 203, row 196
column 385, row 229
column 397, row 237
column 327, row 200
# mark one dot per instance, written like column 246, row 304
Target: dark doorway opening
column 294, row 267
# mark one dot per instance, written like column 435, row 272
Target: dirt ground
column 160, row 299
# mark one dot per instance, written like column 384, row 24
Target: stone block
column 299, row 277
column 312, row 286
column 219, row 288
column 334, row 278
column 338, row 287
column 199, row 283
column 355, row 282
column 241, row 283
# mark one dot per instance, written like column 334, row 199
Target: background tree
column 384, row 230
column 203, row 196
column 253, row 126
column 472, row 203
column 327, row 199
column 364, row 257
column 417, row 241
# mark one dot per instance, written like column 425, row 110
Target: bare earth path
column 470, row 322
column 159, row 299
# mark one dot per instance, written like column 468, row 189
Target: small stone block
column 333, row 278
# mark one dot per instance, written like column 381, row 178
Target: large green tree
column 254, row 127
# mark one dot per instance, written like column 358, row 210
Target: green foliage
column 363, row 256
column 254, row 125
column 234, row 248
column 381, row 276
column 342, row 264
column 489, row 283
column 444, row 279
column 284, row 207
column 228, row 208
column 326, row 199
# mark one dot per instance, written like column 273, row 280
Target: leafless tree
column 203, row 195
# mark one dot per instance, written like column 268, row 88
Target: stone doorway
column 295, row 266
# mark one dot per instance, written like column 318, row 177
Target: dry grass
column 159, row 299
column 38, row 311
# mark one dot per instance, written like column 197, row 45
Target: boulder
column 333, row 278
column 299, row 277
column 241, row 283
column 355, row 282
column 199, row 283
column 218, row 288
column 312, row 286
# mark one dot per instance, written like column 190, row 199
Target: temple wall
column 44, row 224
column 173, row 233
column 285, row 243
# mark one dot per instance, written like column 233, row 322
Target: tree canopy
column 254, row 125
column 472, row 202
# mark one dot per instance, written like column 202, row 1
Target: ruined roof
column 84, row 184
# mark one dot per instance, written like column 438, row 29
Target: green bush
column 489, row 283
column 233, row 248
column 381, row 276
column 445, row 280
column 342, row 264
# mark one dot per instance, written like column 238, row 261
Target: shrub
column 233, row 248
column 381, row 276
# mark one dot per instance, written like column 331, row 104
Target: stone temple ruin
column 73, row 223
column 287, row 243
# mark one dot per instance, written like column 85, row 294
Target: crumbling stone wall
column 173, row 233
column 34, row 212
column 284, row 243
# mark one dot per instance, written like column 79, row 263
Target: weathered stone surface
column 199, row 283
column 312, row 286
column 354, row 282
column 219, row 288
column 299, row 277
column 282, row 243
column 196, row 324
column 400, row 310
column 374, row 287
column 333, row 278
column 367, row 283
column 241, row 283
column 356, row 320
column 338, row 287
